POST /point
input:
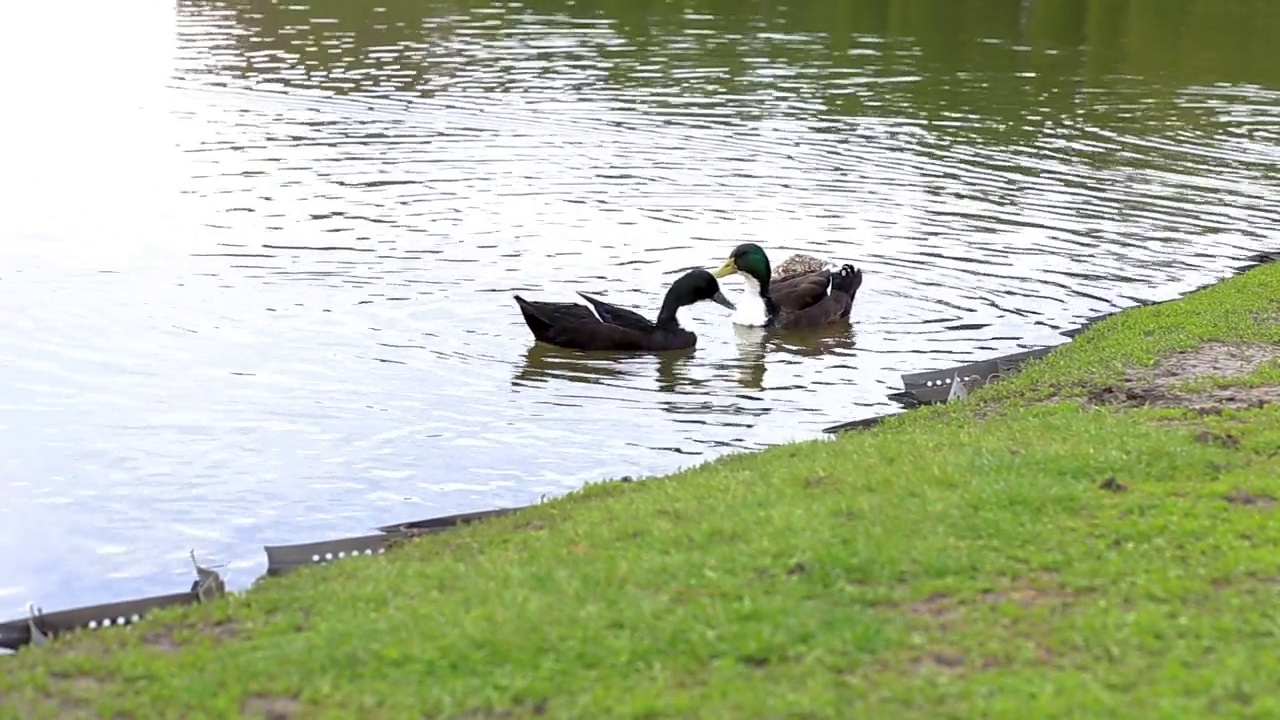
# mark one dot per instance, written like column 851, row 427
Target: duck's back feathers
column 800, row 264
column 615, row 315
column 576, row 327
column 543, row 317
column 603, row 326
column 800, row 292
column 816, row 298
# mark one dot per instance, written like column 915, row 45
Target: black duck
column 609, row 327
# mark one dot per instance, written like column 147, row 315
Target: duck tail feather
column 847, row 281
column 538, row 325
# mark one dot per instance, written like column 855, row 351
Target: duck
column 602, row 326
column 810, row 293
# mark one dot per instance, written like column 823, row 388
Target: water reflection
column 756, row 344
column 751, row 353
column 544, row 363
column 835, row 340
column 671, row 372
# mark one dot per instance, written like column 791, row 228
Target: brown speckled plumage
column 798, row 264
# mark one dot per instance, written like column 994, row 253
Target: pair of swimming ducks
column 804, row 293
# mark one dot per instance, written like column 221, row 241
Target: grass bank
column 1095, row 537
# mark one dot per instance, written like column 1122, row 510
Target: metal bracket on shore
column 935, row 387
column 1257, row 259
column 430, row 525
column 863, row 424
column 284, row 558
column 40, row 628
column 208, row 584
column 1089, row 321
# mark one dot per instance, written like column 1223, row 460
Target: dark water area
column 258, row 257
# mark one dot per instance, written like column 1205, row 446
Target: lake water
column 257, row 259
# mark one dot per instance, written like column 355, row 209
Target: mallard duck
column 807, row 295
column 609, row 327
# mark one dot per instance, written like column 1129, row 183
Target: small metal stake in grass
column 38, row 637
column 208, row 584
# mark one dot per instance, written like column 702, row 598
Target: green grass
column 958, row 561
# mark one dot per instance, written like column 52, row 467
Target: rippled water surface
column 258, row 257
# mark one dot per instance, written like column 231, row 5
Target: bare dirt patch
column 1224, row 439
column 1163, row 385
column 942, row 605
column 1258, row 582
column 1111, row 484
column 1026, row 597
column 69, row 696
column 163, row 639
column 1242, row 497
column 272, row 708
column 537, row 709
column 939, row 660
column 936, row 605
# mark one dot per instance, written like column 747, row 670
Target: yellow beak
column 727, row 269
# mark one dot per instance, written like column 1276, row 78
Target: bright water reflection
column 258, row 256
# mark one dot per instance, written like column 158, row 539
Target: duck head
column 747, row 259
column 692, row 287
column 698, row 285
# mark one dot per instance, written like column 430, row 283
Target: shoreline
column 923, row 388
column 715, row 551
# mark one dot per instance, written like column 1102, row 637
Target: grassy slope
column 951, row 563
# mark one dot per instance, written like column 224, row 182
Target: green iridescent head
column 748, row 259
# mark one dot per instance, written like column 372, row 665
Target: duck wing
column 540, row 316
column 799, row 292
column 574, row 326
column 602, row 336
column 621, row 317
column 834, row 303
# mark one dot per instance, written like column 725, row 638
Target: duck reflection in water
column 543, row 363
column 755, row 343
column 837, row 339
column 695, row 400
column 751, row 352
